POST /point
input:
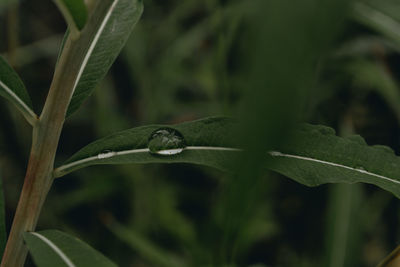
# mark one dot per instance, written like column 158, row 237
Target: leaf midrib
column 93, row 45
column 56, row 249
column 135, row 151
column 25, row 108
column 60, row 169
column 280, row 154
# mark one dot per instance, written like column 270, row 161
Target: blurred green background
column 187, row 60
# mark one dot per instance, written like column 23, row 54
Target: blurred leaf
column 147, row 249
column 74, row 12
column 365, row 45
column 282, row 45
column 12, row 88
column 344, row 229
column 382, row 16
column 104, row 36
column 374, row 76
column 5, row 3
column 51, row 248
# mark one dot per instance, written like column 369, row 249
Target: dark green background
column 269, row 63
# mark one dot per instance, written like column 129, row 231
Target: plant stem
column 38, row 179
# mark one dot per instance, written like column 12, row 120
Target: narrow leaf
column 104, row 36
column 315, row 156
column 74, row 12
column 13, row 89
column 54, row 248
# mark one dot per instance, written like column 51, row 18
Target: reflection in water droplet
column 105, row 154
column 166, row 141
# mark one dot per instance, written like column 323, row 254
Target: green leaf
column 54, row 248
column 74, row 12
column 208, row 142
column 13, row 89
column 315, row 156
column 103, row 38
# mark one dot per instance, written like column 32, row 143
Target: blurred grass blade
column 315, row 156
column 51, row 248
column 382, row 16
column 106, row 33
column 149, row 251
column 74, row 12
column 374, row 76
column 282, row 45
column 12, row 88
column 5, row 4
column 344, row 228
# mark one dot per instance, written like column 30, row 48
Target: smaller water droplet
column 166, row 141
column 106, row 154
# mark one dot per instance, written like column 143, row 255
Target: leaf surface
column 314, row 156
column 54, row 248
column 208, row 142
column 317, row 156
column 13, row 89
column 103, row 38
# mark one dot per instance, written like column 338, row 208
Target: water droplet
column 166, row 141
column 106, row 154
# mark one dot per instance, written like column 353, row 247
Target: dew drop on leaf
column 105, row 154
column 166, row 141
